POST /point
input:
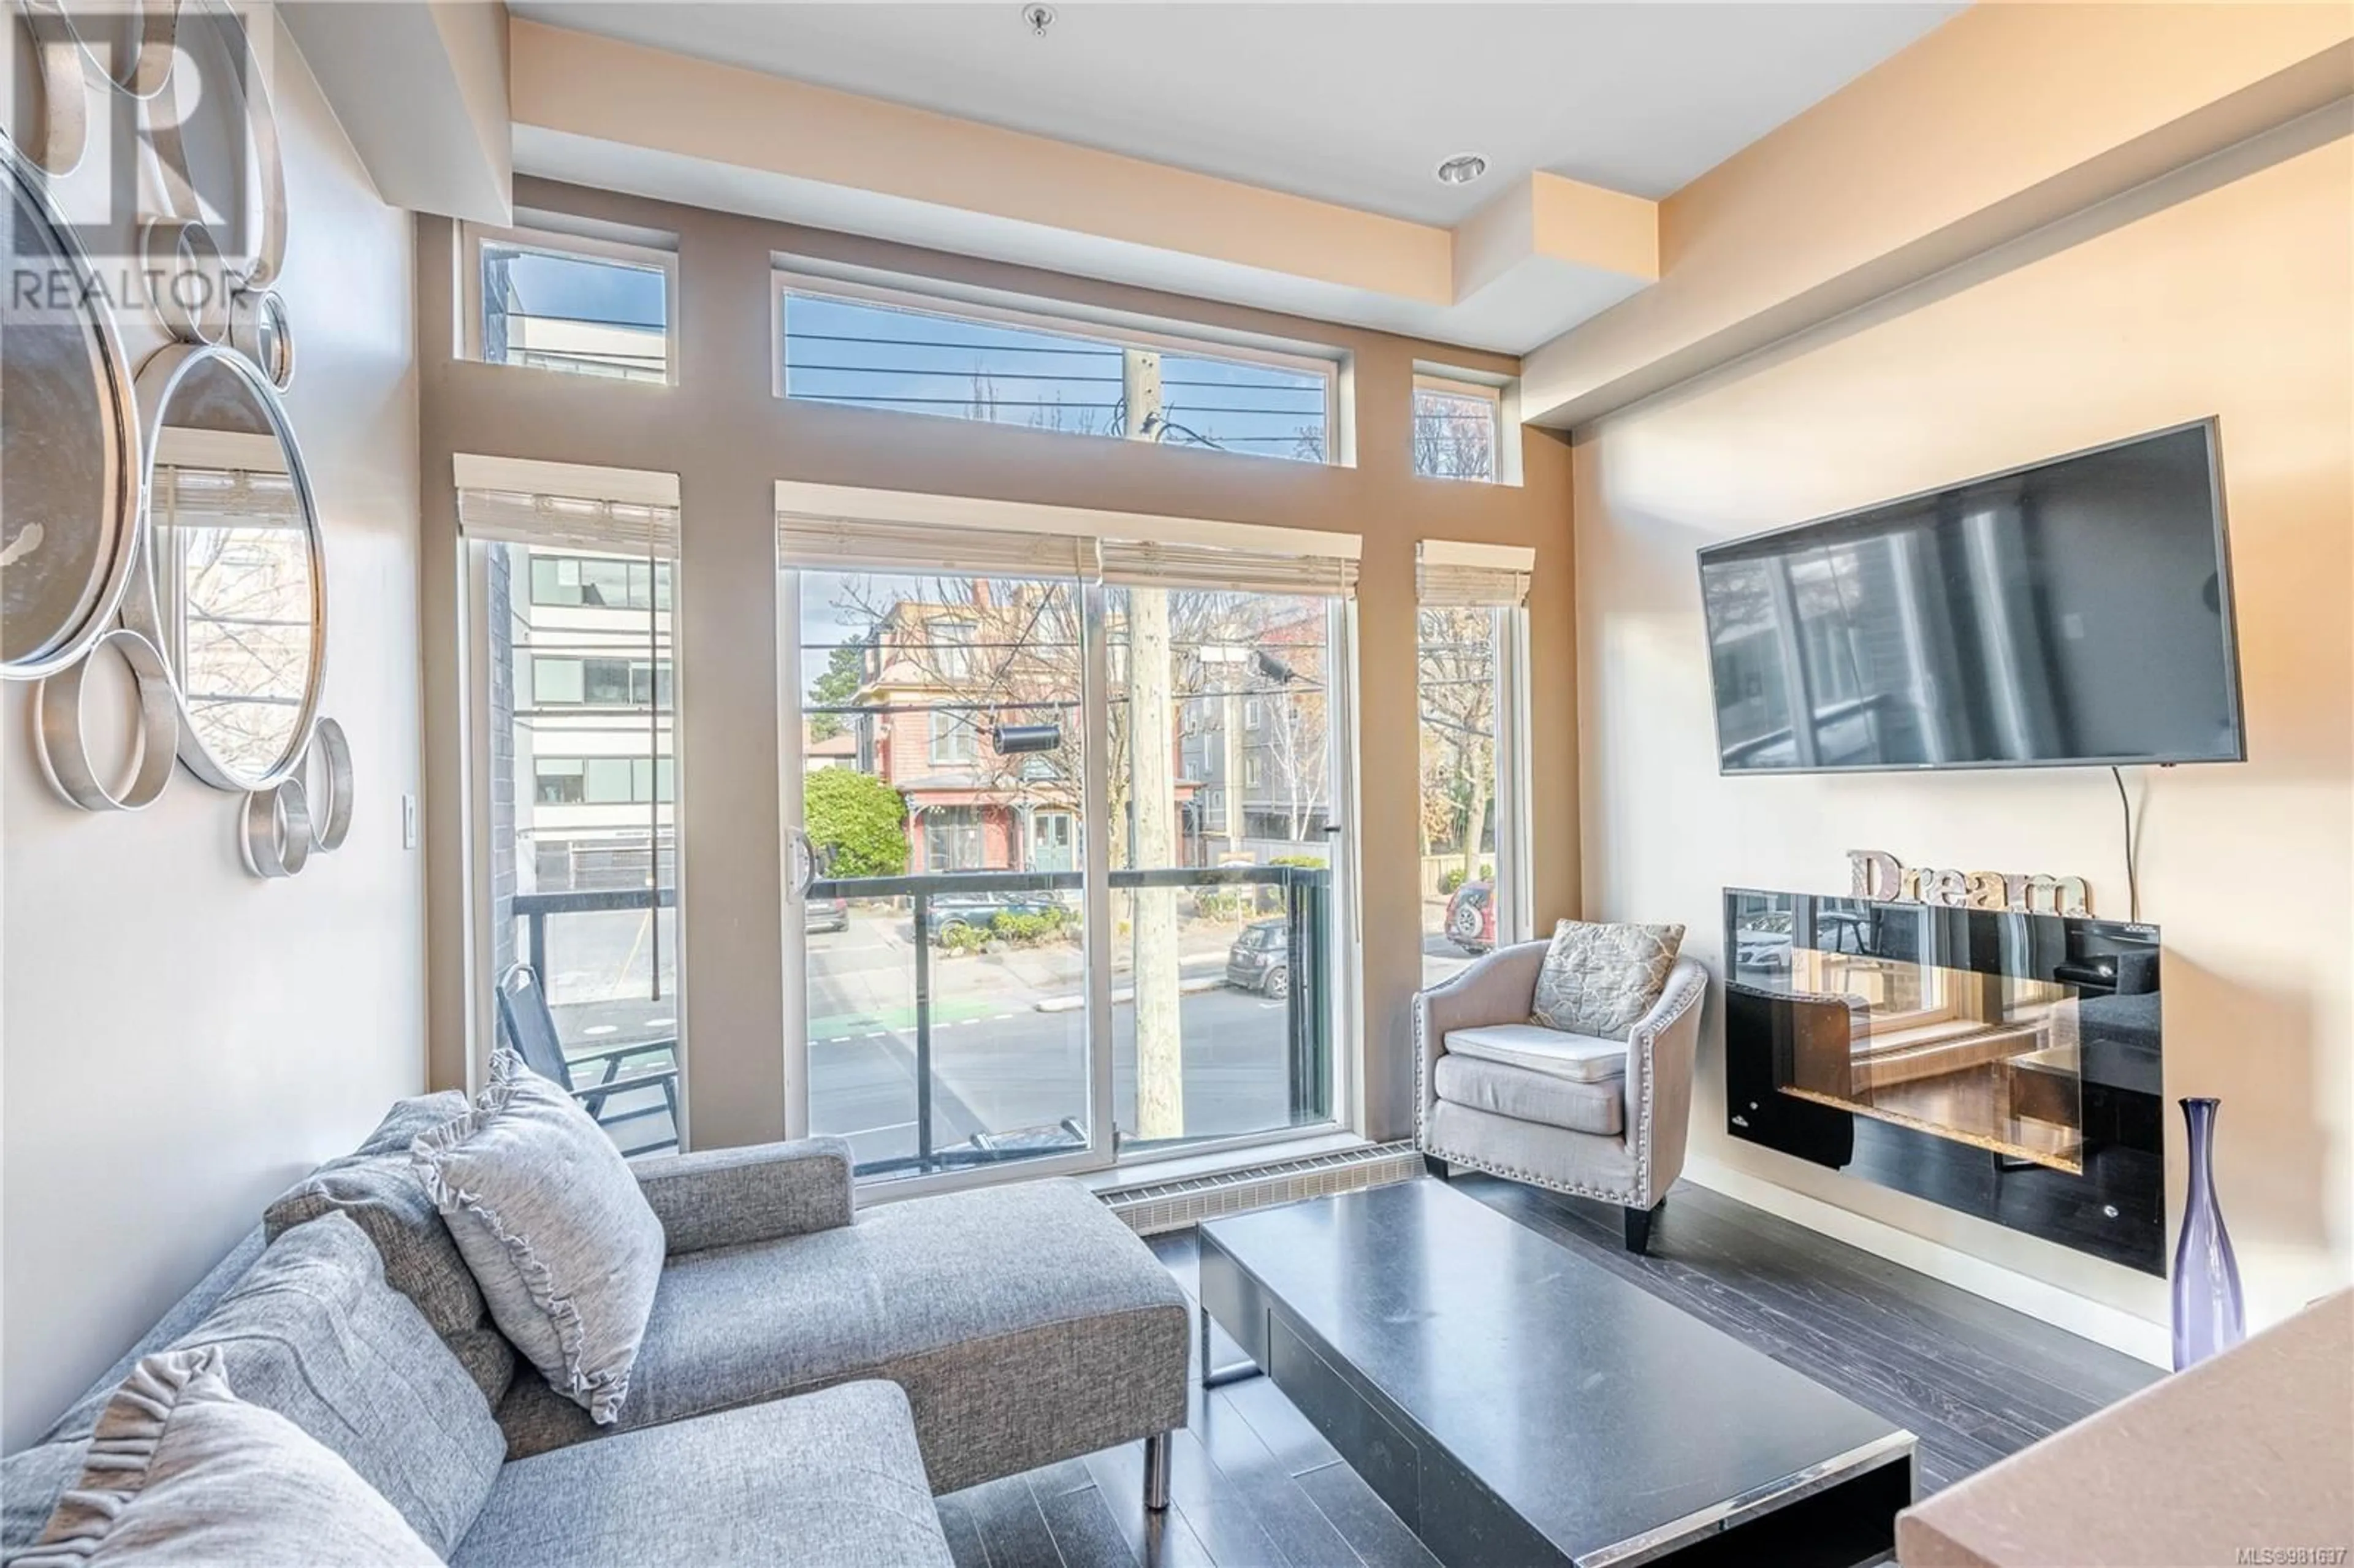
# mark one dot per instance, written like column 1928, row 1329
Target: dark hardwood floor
column 1256, row 1486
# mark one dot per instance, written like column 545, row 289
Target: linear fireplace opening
column 2005, row 1064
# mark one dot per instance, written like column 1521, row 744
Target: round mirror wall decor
column 69, row 468
column 231, row 581
column 165, row 516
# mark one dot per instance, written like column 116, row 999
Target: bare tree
column 1456, row 653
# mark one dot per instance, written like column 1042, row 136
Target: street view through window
column 1455, row 656
column 946, row 750
column 584, row 852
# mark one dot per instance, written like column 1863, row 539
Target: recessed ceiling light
column 1037, row 18
column 1462, row 170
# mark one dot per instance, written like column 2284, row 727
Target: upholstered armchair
column 1602, row 1119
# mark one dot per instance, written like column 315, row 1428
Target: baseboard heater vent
column 1173, row 1205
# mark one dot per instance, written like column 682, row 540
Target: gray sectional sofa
column 808, row 1379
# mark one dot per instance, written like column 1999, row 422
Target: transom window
column 563, row 303
column 874, row 348
column 1457, row 429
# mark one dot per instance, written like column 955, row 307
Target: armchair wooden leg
column 1436, row 1166
column 1639, row 1227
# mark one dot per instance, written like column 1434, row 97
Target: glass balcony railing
column 947, row 1023
column 607, row 966
column 948, row 1013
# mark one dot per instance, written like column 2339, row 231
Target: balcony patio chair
column 529, row 1026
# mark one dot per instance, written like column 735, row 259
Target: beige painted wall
column 182, row 1039
column 2233, row 301
column 728, row 437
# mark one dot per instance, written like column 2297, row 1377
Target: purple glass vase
column 2207, row 1312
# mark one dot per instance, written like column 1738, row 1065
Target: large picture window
column 1114, row 929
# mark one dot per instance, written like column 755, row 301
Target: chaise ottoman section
column 1026, row 1325
column 833, row 1478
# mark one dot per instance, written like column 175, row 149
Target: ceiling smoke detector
column 1462, row 170
column 1037, row 18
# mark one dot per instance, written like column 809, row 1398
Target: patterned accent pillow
column 1600, row 980
column 181, row 1470
column 554, row 1228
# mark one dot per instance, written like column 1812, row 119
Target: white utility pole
column 1153, row 795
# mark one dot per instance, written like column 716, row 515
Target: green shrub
column 857, row 823
column 1025, row 928
column 1222, row 903
column 963, row 938
column 1449, row 880
column 1306, row 862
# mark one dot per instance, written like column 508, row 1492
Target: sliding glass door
column 1067, row 854
column 944, row 928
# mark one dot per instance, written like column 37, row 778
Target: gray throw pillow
column 182, row 1471
column 1600, row 980
column 550, row 1219
column 314, row 1333
column 377, row 1187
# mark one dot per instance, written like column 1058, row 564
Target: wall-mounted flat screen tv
column 2075, row 612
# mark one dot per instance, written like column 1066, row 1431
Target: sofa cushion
column 314, row 1333
column 183, row 1471
column 832, row 1478
column 1026, row 1324
column 1602, row 978
column 1516, row 1092
column 377, row 1187
column 551, row 1221
column 31, row 1482
column 1580, row 1058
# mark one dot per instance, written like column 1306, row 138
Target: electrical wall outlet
column 408, row 822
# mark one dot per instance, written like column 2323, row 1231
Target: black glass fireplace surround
column 2006, row 1066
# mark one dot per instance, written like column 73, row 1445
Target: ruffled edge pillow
column 580, row 1325
column 181, row 1470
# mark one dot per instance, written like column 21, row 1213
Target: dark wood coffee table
column 1517, row 1404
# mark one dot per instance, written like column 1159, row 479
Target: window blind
column 569, row 521
column 1261, row 560
column 1447, row 573
column 1145, row 563
column 232, row 495
column 846, row 544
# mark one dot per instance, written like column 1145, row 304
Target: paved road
column 1001, row 1064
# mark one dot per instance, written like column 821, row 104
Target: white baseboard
column 2096, row 1320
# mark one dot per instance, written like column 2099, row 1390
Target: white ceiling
column 1354, row 105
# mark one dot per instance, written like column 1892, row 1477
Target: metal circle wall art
column 65, row 753
column 166, row 516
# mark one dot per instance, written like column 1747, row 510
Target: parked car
column 826, row 915
column 980, row 910
column 1260, row 959
column 1471, row 916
